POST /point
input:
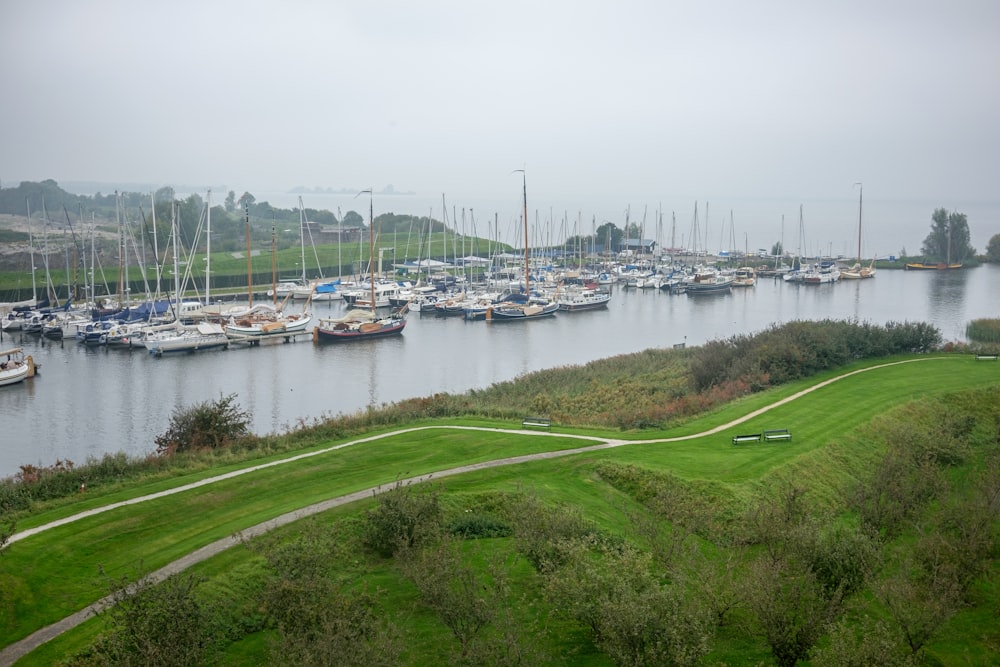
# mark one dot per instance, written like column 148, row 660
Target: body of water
column 88, row 401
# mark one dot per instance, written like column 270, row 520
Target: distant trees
column 993, row 249
column 949, row 237
column 246, row 199
column 164, row 194
column 353, row 219
column 15, row 201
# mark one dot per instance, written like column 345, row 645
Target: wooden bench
column 749, row 437
column 986, row 357
column 536, row 422
column 777, row 434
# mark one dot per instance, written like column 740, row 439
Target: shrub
column 474, row 525
column 402, row 520
column 207, row 425
column 983, row 331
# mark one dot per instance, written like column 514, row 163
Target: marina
column 89, row 400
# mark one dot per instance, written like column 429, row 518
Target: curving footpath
column 13, row 652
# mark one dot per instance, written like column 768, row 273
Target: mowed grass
column 56, row 573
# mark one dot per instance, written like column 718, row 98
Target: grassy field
column 50, row 575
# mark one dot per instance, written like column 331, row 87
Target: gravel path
column 12, row 652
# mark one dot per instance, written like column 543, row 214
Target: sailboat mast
column 156, row 247
column 246, row 210
column 31, row 250
column 302, row 238
column 371, row 244
column 121, row 252
column 274, row 266
column 861, row 195
column 524, row 193
column 177, row 266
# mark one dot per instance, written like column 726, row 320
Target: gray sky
column 770, row 98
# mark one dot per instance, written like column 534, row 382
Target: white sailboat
column 15, row 366
column 178, row 337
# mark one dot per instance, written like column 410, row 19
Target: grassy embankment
column 54, row 573
column 229, row 269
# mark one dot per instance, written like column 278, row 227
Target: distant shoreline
column 388, row 190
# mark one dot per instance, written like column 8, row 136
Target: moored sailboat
column 15, row 366
column 524, row 305
column 265, row 320
column 359, row 324
column 857, row 271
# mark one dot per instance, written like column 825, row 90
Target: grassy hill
column 870, row 537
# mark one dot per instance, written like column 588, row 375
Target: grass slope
column 55, row 573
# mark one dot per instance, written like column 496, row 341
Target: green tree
column 633, row 617
column 949, row 237
column 609, row 236
column 164, row 194
column 318, row 619
column 156, row 624
column 464, row 600
column 230, row 203
column 403, row 520
column 353, row 219
column 246, row 199
column 777, row 249
column 993, row 249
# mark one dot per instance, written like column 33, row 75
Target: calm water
column 91, row 401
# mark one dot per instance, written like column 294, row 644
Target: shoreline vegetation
column 871, row 537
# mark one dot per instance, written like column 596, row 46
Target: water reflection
column 946, row 298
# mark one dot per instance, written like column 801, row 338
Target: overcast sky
column 769, row 98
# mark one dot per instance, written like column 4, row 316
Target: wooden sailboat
column 359, row 323
column 859, row 272
column 523, row 306
column 265, row 320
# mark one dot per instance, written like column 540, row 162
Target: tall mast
column 524, row 192
column 371, row 244
column 274, row 264
column 31, row 250
column 861, row 195
column 121, row 252
column 177, row 266
column 246, row 209
column 208, row 246
column 156, row 247
column 302, row 238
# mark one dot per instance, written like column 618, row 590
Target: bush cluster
column 39, row 483
column 207, row 425
column 795, row 350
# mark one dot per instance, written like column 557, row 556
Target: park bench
column 986, row 357
column 777, row 434
column 749, row 437
column 536, row 422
